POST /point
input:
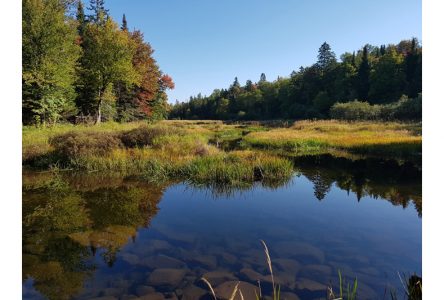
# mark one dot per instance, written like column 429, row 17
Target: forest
column 373, row 83
column 81, row 66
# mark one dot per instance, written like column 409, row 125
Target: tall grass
column 363, row 137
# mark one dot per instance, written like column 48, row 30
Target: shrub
column 145, row 135
column 404, row 109
column 355, row 110
column 74, row 144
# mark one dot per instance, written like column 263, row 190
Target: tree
column 326, row 57
column 100, row 14
column 363, row 78
column 48, row 76
column 124, row 24
column 263, row 78
column 107, row 59
column 81, row 19
column 387, row 79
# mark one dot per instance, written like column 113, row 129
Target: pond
column 91, row 236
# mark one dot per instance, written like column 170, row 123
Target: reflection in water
column 87, row 236
column 66, row 219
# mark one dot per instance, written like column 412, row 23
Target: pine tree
column 100, row 14
column 326, row 57
column 363, row 80
column 263, row 78
column 124, row 24
column 81, row 19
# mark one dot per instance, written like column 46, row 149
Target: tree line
column 376, row 82
column 80, row 65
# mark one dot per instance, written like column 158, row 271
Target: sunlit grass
column 312, row 136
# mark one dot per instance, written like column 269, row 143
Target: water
column 89, row 236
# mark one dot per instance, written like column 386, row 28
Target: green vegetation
column 210, row 152
column 327, row 136
column 86, row 69
column 377, row 76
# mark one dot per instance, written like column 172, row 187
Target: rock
column 143, row 290
column 289, row 296
column 155, row 296
column 218, row 277
column 224, row 290
column 287, row 265
column 250, row 275
column 316, row 271
column 229, row 258
column 207, row 261
column 255, row 257
column 111, row 292
column 132, row 259
column 166, row 277
column 311, row 285
column 163, row 261
column 192, row 292
column 105, row 298
column 300, row 250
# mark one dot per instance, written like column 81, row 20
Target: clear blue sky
column 204, row 44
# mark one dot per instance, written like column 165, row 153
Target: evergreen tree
column 263, row 78
column 326, row 57
column 100, row 14
column 363, row 78
column 249, row 86
column 124, row 24
column 81, row 19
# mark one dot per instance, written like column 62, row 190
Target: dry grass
column 308, row 136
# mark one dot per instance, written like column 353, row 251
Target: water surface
column 93, row 236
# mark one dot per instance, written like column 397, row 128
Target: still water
column 87, row 236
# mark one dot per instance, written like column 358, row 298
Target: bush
column 74, row 144
column 403, row 109
column 355, row 110
column 145, row 135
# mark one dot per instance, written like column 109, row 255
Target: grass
column 359, row 137
column 155, row 152
column 209, row 151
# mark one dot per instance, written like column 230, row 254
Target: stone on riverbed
column 218, row 277
column 166, row 277
column 224, row 290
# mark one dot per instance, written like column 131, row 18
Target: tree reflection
column 398, row 183
column 65, row 221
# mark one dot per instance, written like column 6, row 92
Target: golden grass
column 338, row 134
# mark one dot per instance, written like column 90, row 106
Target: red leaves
column 166, row 82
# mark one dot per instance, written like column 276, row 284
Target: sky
column 205, row 44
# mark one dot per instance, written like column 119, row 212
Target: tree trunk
column 99, row 109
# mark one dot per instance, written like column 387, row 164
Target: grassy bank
column 330, row 136
column 156, row 152
column 209, row 151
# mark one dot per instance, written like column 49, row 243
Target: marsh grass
column 360, row 137
column 208, row 152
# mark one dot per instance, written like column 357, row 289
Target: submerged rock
column 192, row 292
column 166, row 277
column 316, row 271
column 218, row 277
column 163, row 261
column 311, row 285
column 300, row 250
column 224, row 290
column 250, row 275
column 142, row 290
column 289, row 296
